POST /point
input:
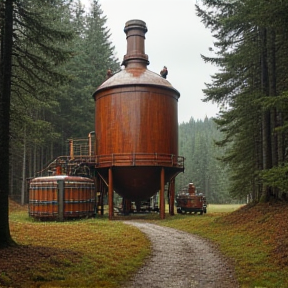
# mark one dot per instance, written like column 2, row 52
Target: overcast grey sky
column 175, row 38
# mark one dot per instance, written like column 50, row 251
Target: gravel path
column 181, row 260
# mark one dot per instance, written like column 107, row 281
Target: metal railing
column 139, row 159
column 119, row 159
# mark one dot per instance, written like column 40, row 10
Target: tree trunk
column 23, row 190
column 35, row 160
column 280, row 139
column 5, row 95
column 272, row 93
column 266, row 128
column 258, row 146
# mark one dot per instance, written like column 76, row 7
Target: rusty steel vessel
column 61, row 197
column 135, row 144
column 189, row 201
column 136, row 126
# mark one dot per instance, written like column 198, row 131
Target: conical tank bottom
column 138, row 183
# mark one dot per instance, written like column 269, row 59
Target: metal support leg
column 172, row 197
column 101, row 201
column 162, row 198
column 110, row 194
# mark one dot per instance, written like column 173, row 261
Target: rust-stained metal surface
column 188, row 200
column 78, row 197
column 137, row 76
column 139, row 159
column 136, row 118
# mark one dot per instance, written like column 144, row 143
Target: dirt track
column 181, row 260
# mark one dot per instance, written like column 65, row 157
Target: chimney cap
column 134, row 24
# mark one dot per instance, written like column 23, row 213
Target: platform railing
column 139, row 159
column 119, row 159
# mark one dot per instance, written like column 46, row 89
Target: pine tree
column 30, row 41
column 196, row 144
column 5, row 100
column 59, row 111
column 93, row 55
column 248, row 36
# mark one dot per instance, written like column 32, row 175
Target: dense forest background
column 45, row 110
column 60, row 55
column 197, row 143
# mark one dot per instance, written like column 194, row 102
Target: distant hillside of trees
column 210, row 176
column 61, row 54
column 250, row 50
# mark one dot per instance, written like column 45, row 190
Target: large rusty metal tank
column 136, row 123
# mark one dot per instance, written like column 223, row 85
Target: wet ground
column 181, row 260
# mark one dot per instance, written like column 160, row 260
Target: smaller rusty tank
column 189, row 201
column 60, row 197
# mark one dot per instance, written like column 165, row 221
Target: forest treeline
column 53, row 55
column 60, row 54
column 251, row 87
column 210, row 176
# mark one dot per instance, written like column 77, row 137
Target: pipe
column 172, row 196
column 90, row 142
column 71, row 149
column 135, row 35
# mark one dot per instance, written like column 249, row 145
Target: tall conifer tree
column 28, row 40
column 249, row 38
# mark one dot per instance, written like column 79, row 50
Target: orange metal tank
column 136, row 123
column 188, row 200
column 61, row 196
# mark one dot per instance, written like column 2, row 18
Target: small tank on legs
column 189, row 201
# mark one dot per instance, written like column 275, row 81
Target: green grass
column 248, row 237
column 223, row 208
column 102, row 253
column 81, row 253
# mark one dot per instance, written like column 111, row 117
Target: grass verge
column 254, row 238
column 82, row 253
column 103, row 253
